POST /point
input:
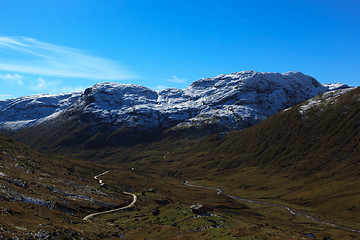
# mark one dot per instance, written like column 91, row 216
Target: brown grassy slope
column 325, row 137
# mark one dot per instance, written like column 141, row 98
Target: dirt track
column 101, row 182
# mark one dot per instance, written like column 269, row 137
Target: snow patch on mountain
column 326, row 99
column 336, row 86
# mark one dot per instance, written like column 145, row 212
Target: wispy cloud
column 12, row 78
column 5, row 96
column 54, row 86
column 29, row 56
column 175, row 79
column 42, row 84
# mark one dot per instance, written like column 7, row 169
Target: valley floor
column 228, row 217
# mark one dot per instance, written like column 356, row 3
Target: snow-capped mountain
column 27, row 111
column 336, row 86
column 221, row 103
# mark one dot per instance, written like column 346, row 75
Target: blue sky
column 49, row 46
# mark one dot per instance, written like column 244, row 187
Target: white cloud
column 42, row 84
column 12, row 78
column 27, row 55
column 54, row 86
column 5, row 96
column 175, row 79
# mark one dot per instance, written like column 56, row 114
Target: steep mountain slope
column 109, row 114
column 324, row 130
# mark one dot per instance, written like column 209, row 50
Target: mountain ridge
column 229, row 102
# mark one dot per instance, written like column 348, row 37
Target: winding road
column 101, row 182
column 186, row 183
column 293, row 212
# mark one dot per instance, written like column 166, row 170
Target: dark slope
column 321, row 138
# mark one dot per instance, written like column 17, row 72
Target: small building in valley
column 199, row 208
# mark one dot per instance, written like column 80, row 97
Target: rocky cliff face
column 222, row 103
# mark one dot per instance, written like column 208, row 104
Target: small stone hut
column 199, row 208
